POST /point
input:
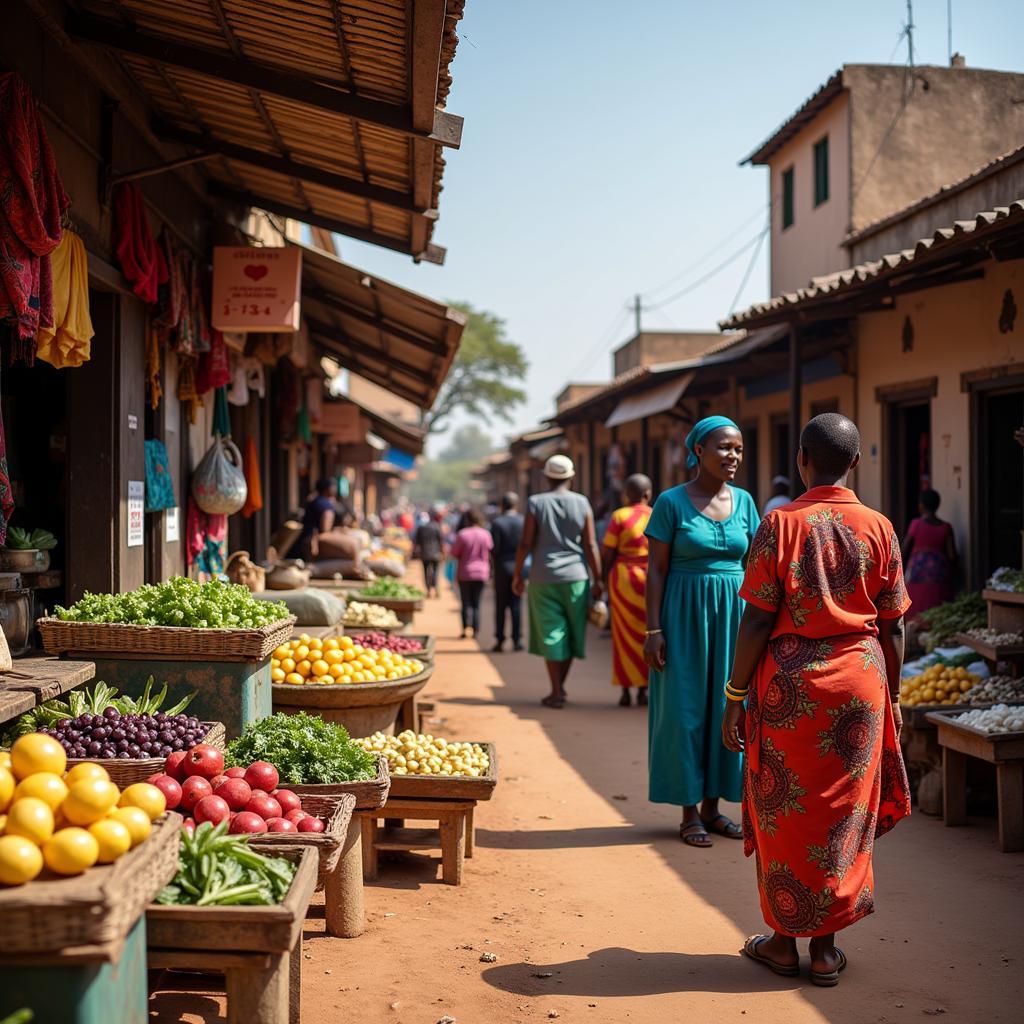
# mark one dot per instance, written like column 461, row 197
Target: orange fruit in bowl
column 85, row 770
column 46, row 786
column 7, row 785
column 71, row 851
column 146, row 797
column 20, row 860
column 113, row 838
column 31, row 818
column 36, row 752
column 89, row 800
column 135, row 819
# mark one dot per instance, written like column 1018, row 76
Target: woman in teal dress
column 699, row 533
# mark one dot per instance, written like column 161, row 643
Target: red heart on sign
column 255, row 273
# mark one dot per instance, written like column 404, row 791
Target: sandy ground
column 597, row 913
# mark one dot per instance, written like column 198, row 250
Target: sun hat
column 559, row 467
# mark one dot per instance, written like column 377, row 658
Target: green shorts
column 558, row 619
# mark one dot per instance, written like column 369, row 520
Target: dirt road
column 596, row 913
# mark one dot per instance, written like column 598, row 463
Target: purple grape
column 178, row 743
column 94, row 748
column 111, row 713
column 122, row 744
column 134, row 749
column 123, row 755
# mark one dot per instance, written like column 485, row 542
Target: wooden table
column 1004, row 750
column 33, row 680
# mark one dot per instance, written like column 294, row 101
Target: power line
column 750, row 267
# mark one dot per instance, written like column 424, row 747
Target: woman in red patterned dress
column 818, row 660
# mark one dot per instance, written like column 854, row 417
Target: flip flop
column 729, row 829
column 750, row 950
column 829, row 979
column 553, row 702
column 689, row 836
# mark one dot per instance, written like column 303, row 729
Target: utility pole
column 910, row 34
column 949, row 30
column 637, row 309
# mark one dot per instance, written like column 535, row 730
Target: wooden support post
column 954, row 787
column 369, row 840
column 343, row 887
column 295, row 983
column 795, row 399
column 259, row 996
column 452, row 834
column 469, row 832
column 1010, row 790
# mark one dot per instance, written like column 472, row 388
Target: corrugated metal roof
column 844, row 281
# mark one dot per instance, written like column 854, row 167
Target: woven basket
column 124, row 771
column 97, row 908
column 370, row 794
column 112, row 638
column 337, row 810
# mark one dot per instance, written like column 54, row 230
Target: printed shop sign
column 256, row 290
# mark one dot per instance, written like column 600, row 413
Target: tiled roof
column 850, row 280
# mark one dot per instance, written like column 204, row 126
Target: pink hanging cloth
column 32, row 206
column 141, row 260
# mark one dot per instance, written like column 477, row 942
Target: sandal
column 829, row 979
column 750, row 950
column 722, row 826
column 551, row 701
column 691, row 837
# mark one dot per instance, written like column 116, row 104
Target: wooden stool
column 455, row 841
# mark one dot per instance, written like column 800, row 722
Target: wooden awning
column 326, row 111
column 391, row 336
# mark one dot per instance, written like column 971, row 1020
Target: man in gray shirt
column 560, row 538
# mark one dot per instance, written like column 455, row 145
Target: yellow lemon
column 146, row 796
column 304, row 638
column 71, row 851
column 49, row 788
column 283, row 651
column 37, row 753
column 301, row 652
column 113, row 838
column 333, row 657
column 7, row 785
column 20, row 860
column 320, row 667
column 135, row 820
column 294, row 678
column 89, row 800
column 303, row 668
column 331, row 644
column 277, row 674
column 315, row 644
column 335, row 671
column 31, row 818
column 346, row 642
column 5, row 759
column 86, row 770
column 288, row 664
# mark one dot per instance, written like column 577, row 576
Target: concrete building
column 870, row 142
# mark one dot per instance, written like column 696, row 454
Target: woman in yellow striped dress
column 624, row 561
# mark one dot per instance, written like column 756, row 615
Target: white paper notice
column 171, row 525
column 136, row 512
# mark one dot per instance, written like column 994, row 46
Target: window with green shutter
column 821, row 171
column 787, row 198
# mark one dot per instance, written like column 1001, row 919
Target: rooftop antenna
column 949, row 30
column 910, row 34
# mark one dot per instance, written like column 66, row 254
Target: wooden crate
column 369, row 794
column 444, row 787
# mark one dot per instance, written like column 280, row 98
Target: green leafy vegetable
column 944, row 621
column 219, row 870
column 178, row 602
column 304, row 749
column 19, row 539
column 391, row 588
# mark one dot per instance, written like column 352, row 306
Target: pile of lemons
column 67, row 821
column 337, row 660
column 411, row 753
column 940, row 684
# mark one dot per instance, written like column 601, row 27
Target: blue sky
column 601, row 148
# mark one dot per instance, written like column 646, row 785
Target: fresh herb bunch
column 220, row 870
column 944, row 621
column 396, row 590
column 19, row 539
column 1010, row 581
column 303, row 748
column 178, row 602
column 93, row 702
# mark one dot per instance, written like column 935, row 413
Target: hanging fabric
column 142, row 262
column 199, row 306
column 32, row 207
column 205, row 541
column 214, row 366
column 221, row 414
column 154, row 358
column 256, row 377
column 314, row 398
column 251, row 463
column 6, row 494
column 159, row 485
column 238, row 392
column 171, row 294
column 187, row 385
column 67, row 342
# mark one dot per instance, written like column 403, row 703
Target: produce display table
column 1004, row 750
column 36, row 679
column 258, row 949
column 449, row 800
column 405, row 609
column 429, row 643
column 363, row 708
column 74, row 948
column 1012, row 653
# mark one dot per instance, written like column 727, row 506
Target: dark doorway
column 747, row 477
column 909, row 458
column 654, row 470
column 1000, row 480
column 783, row 458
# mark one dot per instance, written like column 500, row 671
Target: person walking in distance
column 507, row 531
column 780, row 494
column 429, row 549
column 624, row 552
column 813, row 701
column 559, row 536
column 472, row 553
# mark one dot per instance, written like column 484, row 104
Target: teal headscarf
column 701, row 429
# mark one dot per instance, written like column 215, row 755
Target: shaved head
column 636, row 487
column 831, row 443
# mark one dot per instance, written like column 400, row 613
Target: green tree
column 467, row 444
column 483, row 377
column 448, row 476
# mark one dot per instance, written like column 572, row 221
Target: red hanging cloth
column 141, row 260
column 32, row 205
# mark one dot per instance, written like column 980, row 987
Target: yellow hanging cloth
column 68, row 342
column 153, row 386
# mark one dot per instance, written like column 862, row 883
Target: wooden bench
column 1006, row 752
column 453, row 836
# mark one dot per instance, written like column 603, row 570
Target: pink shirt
column 472, row 548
